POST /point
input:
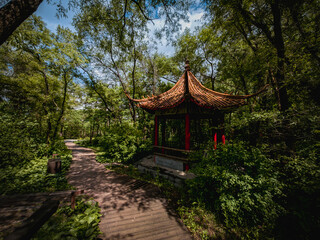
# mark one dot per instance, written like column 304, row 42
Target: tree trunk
column 91, row 133
column 279, row 45
column 134, row 83
column 49, row 127
column 212, row 78
column 62, row 106
column 47, row 93
column 155, row 74
column 277, row 41
column 98, row 128
column 13, row 14
column 244, row 84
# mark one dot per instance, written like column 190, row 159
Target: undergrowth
column 67, row 223
column 32, row 176
column 123, row 143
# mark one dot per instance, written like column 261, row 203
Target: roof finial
column 187, row 66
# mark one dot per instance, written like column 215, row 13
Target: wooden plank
column 37, row 219
column 33, row 198
column 130, row 209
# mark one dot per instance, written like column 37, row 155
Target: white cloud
column 48, row 13
column 195, row 20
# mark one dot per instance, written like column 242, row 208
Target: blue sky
column 48, row 14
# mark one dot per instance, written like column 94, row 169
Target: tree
column 13, row 13
column 257, row 18
column 42, row 65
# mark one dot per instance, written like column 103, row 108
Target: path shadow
column 115, row 193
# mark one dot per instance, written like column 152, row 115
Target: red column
column 187, row 132
column 156, row 126
column 215, row 141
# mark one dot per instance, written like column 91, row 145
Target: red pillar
column 156, row 126
column 187, row 132
column 215, row 141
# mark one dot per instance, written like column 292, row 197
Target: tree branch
column 13, row 14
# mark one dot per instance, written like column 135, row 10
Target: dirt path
column 131, row 209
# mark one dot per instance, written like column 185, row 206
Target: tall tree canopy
column 71, row 84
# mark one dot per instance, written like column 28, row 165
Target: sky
column 194, row 21
column 48, row 14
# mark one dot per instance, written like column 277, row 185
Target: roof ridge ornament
column 187, row 66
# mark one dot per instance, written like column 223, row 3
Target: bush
column 66, row 223
column 301, row 219
column 17, row 145
column 122, row 143
column 33, row 177
column 239, row 185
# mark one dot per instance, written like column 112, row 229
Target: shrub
column 33, row 177
column 66, row 223
column 300, row 177
column 122, row 143
column 17, row 145
column 239, row 185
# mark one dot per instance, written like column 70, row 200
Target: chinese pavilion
column 181, row 116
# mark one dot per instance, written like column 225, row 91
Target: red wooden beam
column 156, row 126
column 187, row 132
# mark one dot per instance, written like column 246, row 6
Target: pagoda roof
column 189, row 88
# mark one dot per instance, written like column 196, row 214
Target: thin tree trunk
column 275, row 87
column 91, row 133
column 47, row 92
column 98, row 127
column 279, row 45
column 133, row 84
column 244, row 84
column 65, row 89
column 154, row 73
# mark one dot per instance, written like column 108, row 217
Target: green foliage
column 16, row 144
column 66, row 223
column 32, row 176
column 201, row 222
column 122, row 143
column 37, row 70
column 239, row 185
column 242, row 46
column 300, row 177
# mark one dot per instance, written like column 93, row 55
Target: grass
column 33, row 177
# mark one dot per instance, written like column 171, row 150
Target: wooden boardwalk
column 17, row 211
column 131, row 209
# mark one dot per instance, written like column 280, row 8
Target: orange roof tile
column 189, row 87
